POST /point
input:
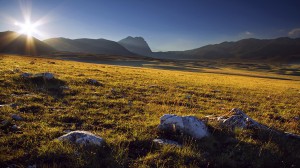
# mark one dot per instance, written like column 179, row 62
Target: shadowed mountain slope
column 14, row 43
column 94, row 46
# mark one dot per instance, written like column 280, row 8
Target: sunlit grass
column 126, row 111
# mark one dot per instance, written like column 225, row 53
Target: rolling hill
column 278, row 50
column 14, row 43
column 85, row 45
column 136, row 45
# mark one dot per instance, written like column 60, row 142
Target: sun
column 27, row 28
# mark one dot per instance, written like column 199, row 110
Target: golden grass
column 126, row 111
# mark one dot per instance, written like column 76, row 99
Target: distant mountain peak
column 136, row 45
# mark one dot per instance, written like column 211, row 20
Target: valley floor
column 126, row 109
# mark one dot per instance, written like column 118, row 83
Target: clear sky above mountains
column 165, row 24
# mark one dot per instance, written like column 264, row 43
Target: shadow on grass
column 53, row 87
column 238, row 148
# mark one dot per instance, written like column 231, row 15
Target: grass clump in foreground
column 125, row 111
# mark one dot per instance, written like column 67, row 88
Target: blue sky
column 165, row 24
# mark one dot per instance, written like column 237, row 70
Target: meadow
column 125, row 111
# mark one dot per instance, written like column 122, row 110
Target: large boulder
column 82, row 138
column 186, row 125
column 238, row 119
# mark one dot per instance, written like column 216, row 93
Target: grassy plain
column 125, row 111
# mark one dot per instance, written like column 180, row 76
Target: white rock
column 187, row 125
column 166, row 142
column 16, row 117
column 82, row 138
column 238, row 119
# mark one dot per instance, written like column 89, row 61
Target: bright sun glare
column 27, row 28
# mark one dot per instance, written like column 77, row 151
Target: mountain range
column 84, row 45
column 282, row 49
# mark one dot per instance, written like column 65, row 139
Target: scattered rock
column 187, row 125
column 15, row 128
column 26, row 75
column 130, row 103
column 94, row 82
column 45, row 75
column 166, row 142
column 3, row 105
column 153, row 86
column 32, row 166
column 16, row 117
column 67, row 131
column 64, row 87
column 82, row 138
column 238, row 119
column 14, row 105
column 17, row 70
column 5, row 122
column 188, row 96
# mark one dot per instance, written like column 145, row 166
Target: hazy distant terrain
column 274, row 50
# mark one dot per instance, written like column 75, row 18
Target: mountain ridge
column 280, row 49
column 86, row 45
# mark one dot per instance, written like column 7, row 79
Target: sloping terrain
column 14, row 43
column 125, row 110
column 92, row 46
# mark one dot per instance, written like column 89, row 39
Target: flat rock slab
column 186, row 125
column 82, row 138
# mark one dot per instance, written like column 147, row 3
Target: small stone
column 26, row 75
column 94, row 82
column 32, row 166
column 4, row 122
column 15, row 128
column 188, row 96
column 166, row 142
column 64, row 87
column 16, row 117
column 82, row 138
column 67, row 131
column 17, row 70
column 14, row 105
